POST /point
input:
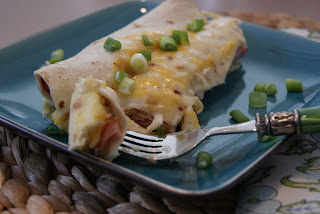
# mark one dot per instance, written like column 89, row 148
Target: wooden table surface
column 20, row 18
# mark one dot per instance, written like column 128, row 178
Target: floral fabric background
column 289, row 181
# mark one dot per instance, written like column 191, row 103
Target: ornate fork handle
column 305, row 120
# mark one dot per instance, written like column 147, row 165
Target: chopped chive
column 294, row 85
column 203, row 160
column 180, row 36
column 53, row 130
column 112, row 45
column 120, row 75
column 146, row 54
column 146, row 41
column 266, row 138
column 161, row 132
column 269, row 89
column 139, row 63
column 258, row 99
column 127, row 85
column 238, row 116
column 168, row 44
column 56, row 56
column 196, row 25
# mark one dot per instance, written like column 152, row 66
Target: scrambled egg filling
column 90, row 115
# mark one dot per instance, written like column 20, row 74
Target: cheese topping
column 174, row 76
column 175, row 81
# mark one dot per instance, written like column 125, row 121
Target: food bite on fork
column 169, row 58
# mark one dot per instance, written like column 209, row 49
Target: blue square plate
column 273, row 56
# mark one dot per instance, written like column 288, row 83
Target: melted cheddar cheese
column 177, row 80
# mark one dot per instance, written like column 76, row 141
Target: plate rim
column 120, row 170
column 115, row 168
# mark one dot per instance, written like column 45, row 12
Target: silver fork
column 177, row 144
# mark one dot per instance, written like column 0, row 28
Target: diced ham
column 45, row 86
column 241, row 51
column 144, row 119
column 140, row 117
column 110, row 133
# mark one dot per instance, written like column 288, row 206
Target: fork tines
column 146, row 144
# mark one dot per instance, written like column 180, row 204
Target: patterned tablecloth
column 289, row 181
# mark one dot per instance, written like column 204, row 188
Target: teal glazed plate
column 273, row 56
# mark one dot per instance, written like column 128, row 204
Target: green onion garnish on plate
column 146, row 54
column 180, row 36
column 112, row 45
column 294, row 85
column 127, row 85
column 53, row 130
column 266, row 138
column 260, row 86
column 146, row 41
column 269, row 89
column 168, row 44
column 238, row 116
column 120, row 75
column 258, row 99
column 203, row 160
column 56, row 56
column 196, row 25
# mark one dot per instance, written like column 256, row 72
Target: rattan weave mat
column 34, row 179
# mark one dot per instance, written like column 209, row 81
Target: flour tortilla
column 203, row 64
column 94, row 60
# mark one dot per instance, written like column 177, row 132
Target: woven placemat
column 34, row 179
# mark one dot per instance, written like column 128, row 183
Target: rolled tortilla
column 97, row 121
column 174, row 82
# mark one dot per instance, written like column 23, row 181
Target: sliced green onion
column 238, row 116
column 294, row 85
column 258, row 99
column 266, row 138
column 146, row 41
column 120, row 75
column 127, row 85
column 146, row 54
column 269, row 89
column 196, row 25
column 260, row 86
column 112, row 45
column 180, row 36
column 139, row 63
column 56, row 56
column 203, row 160
column 168, row 44
column 53, row 130
column 314, row 34
column 161, row 132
